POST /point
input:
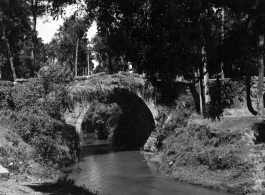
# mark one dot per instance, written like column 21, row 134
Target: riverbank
column 32, row 186
column 26, row 175
column 226, row 154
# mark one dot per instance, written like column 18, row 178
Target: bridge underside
column 126, row 118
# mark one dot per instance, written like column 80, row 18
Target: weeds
column 37, row 134
column 215, row 158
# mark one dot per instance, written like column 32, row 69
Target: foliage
column 15, row 25
column 109, row 61
column 6, row 101
column 64, row 43
column 223, row 94
column 48, row 136
column 36, row 116
column 121, row 115
column 166, row 93
column 166, row 39
column 219, row 158
column 163, row 39
column 15, row 154
column 103, row 119
column 18, row 24
column 170, row 119
column 100, row 86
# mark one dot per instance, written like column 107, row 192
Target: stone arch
column 140, row 113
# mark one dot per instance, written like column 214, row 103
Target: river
column 113, row 171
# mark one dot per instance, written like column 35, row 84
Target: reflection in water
column 113, row 171
column 94, row 170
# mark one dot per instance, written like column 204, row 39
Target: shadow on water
column 101, row 149
column 93, row 147
column 55, row 189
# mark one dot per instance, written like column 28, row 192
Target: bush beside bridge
column 35, row 134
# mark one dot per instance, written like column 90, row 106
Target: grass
column 232, row 123
column 222, row 155
column 98, row 87
column 27, row 176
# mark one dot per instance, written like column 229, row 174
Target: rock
column 4, row 173
column 150, row 145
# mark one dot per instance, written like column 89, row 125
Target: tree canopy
column 193, row 39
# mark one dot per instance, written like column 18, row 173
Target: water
column 112, row 171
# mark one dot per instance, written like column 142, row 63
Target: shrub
column 47, row 135
column 123, row 117
column 99, row 121
column 198, row 145
column 175, row 117
column 36, row 116
column 6, row 100
column 223, row 94
column 15, row 154
column 103, row 119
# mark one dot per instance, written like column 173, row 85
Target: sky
column 47, row 27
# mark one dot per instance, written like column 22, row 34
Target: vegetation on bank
column 218, row 158
column 162, row 39
column 36, row 141
column 225, row 97
column 225, row 154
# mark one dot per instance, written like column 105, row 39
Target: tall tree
column 39, row 8
column 15, row 26
column 260, row 92
column 169, row 38
column 69, row 45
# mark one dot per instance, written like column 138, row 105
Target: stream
column 114, row 171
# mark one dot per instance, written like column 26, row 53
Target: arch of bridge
column 75, row 115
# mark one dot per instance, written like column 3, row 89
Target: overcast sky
column 47, row 27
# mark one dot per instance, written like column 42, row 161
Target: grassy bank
column 35, row 142
column 226, row 155
column 42, row 187
column 29, row 175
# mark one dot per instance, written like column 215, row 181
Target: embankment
column 227, row 155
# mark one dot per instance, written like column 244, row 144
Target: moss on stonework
column 100, row 86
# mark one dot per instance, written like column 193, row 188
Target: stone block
column 4, row 173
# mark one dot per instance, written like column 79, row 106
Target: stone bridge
column 128, row 90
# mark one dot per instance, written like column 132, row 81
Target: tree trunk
column 260, row 83
column 201, row 89
column 9, row 53
column 223, row 34
column 206, row 76
column 195, row 96
column 249, row 102
column 110, row 64
column 34, row 36
column 13, row 68
column 88, row 61
column 76, row 56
